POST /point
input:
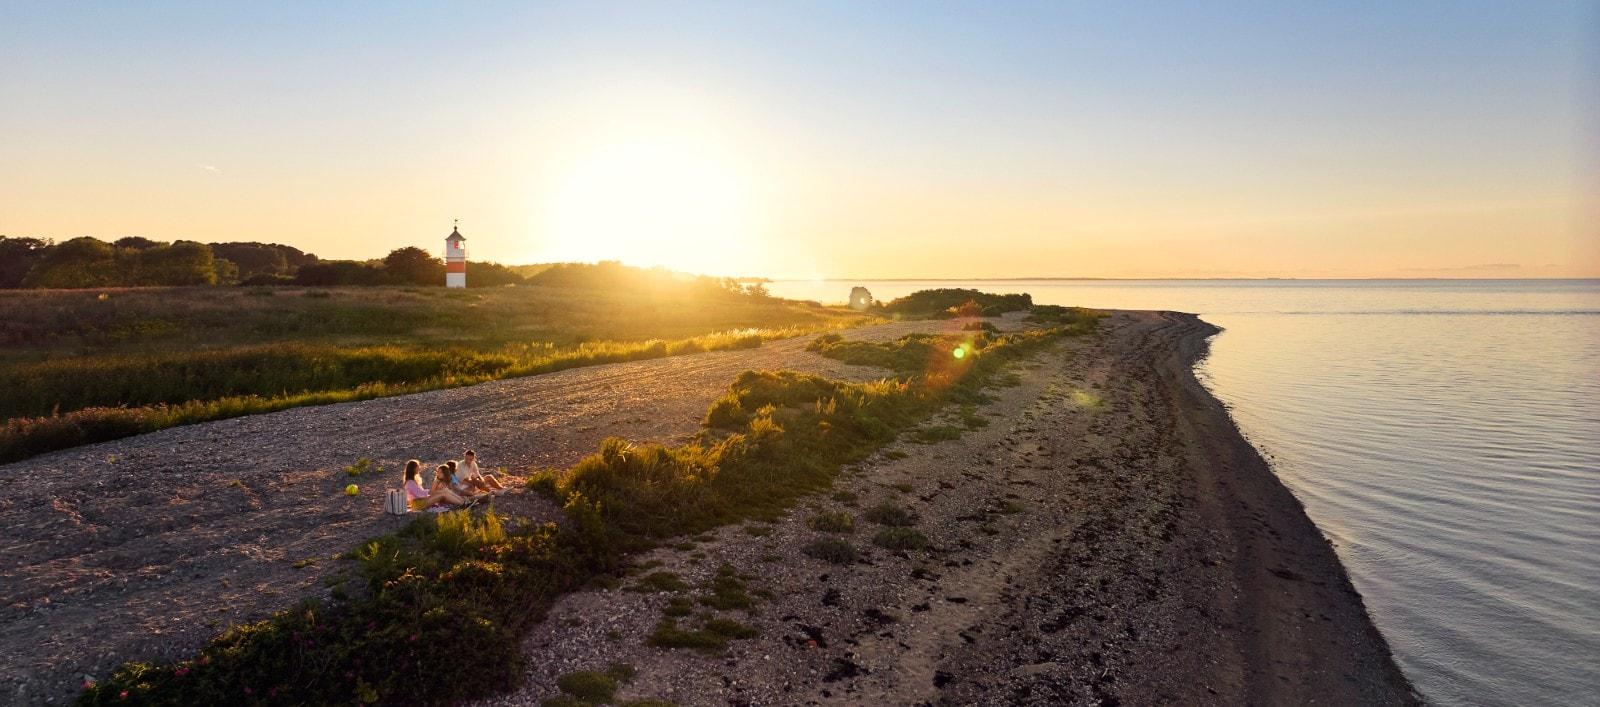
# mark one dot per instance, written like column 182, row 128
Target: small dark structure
column 860, row 298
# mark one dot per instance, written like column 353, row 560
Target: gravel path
column 144, row 548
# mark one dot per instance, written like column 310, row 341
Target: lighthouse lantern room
column 455, row 258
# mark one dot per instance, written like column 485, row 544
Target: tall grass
column 459, row 590
column 412, row 372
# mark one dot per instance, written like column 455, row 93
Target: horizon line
column 1130, row 279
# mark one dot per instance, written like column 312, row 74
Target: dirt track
column 144, row 548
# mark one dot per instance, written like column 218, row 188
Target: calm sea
column 1444, row 434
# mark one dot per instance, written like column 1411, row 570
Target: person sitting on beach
column 420, row 499
column 473, row 478
column 444, row 479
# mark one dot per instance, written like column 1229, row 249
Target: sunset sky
column 824, row 140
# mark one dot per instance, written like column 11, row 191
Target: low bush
column 588, row 686
column 948, row 302
column 1072, row 320
column 669, row 635
column 831, row 550
column 887, row 513
column 726, row 591
column 840, row 522
column 899, row 539
column 678, row 606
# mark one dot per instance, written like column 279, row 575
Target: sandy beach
column 1108, row 537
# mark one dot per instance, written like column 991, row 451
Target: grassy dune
column 88, row 365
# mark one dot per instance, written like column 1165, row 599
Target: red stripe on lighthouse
column 456, row 266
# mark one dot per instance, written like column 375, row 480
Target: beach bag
column 394, row 503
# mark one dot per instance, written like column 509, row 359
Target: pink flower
column 122, row 695
column 180, row 672
column 413, row 638
column 88, row 684
column 247, row 690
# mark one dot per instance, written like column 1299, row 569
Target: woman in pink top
column 421, row 499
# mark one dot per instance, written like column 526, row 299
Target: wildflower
column 180, row 672
column 122, row 695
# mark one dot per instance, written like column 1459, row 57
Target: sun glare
column 675, row 202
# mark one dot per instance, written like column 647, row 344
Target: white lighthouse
column 455, row 258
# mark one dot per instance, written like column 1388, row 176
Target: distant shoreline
column 1185, row 279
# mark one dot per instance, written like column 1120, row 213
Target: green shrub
column 678, row 606
column 840, row 522
column 668, row 635
column 728, row 628
column 936, row 434
column 588, row 686
column 1072, row 320
column 831, row 550
column 946, row 301
column 822, row 342
column 726, row 413
column 887, row 513
column 727, row 592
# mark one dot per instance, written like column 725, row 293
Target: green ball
column 352, row 490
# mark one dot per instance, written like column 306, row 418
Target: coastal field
column 1062, row 500
column 90, row 365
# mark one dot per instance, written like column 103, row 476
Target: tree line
column 141, row 262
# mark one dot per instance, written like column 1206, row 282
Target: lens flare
column 960, row 352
